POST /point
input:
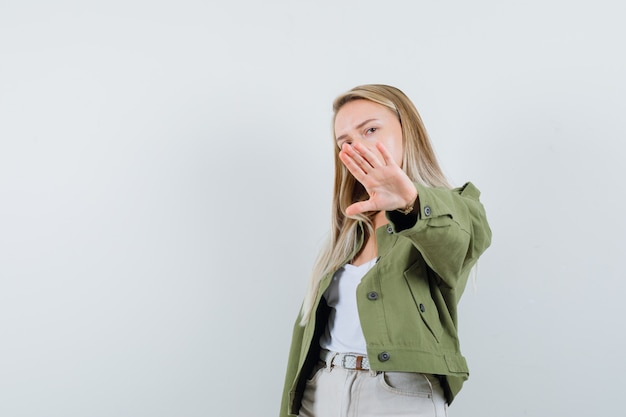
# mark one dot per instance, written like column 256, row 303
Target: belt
column 352, row 361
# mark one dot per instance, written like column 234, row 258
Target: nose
column 355, row 139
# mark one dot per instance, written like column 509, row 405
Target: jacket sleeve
column 449, row 228
column 292, row 367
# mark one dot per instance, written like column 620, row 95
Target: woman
column 377, row 334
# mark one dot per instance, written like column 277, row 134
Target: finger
column 358, row 157
column 387, row 157
column 367, row 155
column 352, row 165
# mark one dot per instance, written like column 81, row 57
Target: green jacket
column 407, row 302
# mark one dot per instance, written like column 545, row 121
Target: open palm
column 388, row 187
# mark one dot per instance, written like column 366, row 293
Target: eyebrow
column 360, row 125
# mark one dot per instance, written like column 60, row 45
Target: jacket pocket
column 417, row 280
column 409, row 384
column 440, row 221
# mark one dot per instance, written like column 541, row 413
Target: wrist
column 410, row 206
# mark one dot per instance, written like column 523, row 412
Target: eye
column 371, row 130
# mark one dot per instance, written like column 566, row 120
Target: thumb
column 360, row 207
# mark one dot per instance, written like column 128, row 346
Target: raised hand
column 389, row 188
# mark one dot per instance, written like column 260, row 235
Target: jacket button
column 372, row 295
column 389, row 229
column 427, row 210
column 383, row 356
column 422, row 308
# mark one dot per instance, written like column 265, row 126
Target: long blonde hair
column 419, row 163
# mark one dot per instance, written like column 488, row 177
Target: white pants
column 338, row 392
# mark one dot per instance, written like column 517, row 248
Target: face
column 366, row 122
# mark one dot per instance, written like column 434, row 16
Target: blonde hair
column 418, row 162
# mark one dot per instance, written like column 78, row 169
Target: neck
column 369, row 250
column 380, row 219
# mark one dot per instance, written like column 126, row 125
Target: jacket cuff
column 428, row 205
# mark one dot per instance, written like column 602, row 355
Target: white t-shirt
column 343, row 333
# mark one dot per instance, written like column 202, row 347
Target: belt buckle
column 358, row 359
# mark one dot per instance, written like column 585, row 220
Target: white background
column 165, row 183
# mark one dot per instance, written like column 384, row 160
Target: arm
column 448, row 227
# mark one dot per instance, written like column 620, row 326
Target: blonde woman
column 377, row 333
